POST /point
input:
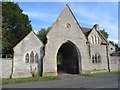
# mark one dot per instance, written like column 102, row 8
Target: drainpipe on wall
column 12, row 69
column 88, row 44
column 108, row 62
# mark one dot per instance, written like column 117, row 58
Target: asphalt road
column 74, row 81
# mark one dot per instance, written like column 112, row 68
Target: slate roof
column 86, row 31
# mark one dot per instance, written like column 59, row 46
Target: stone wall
column 6, row 65
column 29, row 44
column 114, row 63
column 59, row 34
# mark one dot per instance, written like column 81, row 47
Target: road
column 72, row 81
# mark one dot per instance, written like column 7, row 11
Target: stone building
column 70, row 48
column 82, row 50
column 27, row 56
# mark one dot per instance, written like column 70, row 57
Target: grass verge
column 23, row 80
column 102, row 73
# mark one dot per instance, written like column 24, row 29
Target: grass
column 23, row 80
column 102, row 73
column 38, row 78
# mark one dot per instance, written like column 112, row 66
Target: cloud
column 103, row 14
column 46, row 17
column 87, row 14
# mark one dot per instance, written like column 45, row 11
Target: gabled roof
column 102, row 37
column 86, row 31
column 67, row 7
column 112, row 44
column 27, row 36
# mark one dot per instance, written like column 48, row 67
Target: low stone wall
column 114, row 63
column 6, row 67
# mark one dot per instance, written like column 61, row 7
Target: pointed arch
column 70, row 57
column 32, row 57
column 97, row 40
column 36, row 58
column 27, row 58
column 92, row 40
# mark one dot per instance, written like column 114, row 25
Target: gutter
column 108, row 61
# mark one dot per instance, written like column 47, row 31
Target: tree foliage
column 104, row 33
column 117, row 47
column 15, row 27
column 42, row 34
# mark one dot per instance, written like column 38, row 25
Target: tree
column 15, row 27
column 104, row 33
column 42, row 34
column 117, row 47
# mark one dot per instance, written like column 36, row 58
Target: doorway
column 68, row 59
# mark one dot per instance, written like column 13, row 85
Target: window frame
column 33, row 57
column 96, row 58
column 28, row 57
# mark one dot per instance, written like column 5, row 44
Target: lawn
column 102, row 73
column 22, row 80
column 38, row 78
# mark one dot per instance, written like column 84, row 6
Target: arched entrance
column 68, row 58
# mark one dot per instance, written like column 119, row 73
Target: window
column 99, row 59
column 96, row 58
column 32, row 57
column 68, row 25
column 97, row 40
column 93, row 59
column 36, row 58
column 111, row 48
column 27, row 58
column 92, row 40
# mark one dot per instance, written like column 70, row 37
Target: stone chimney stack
column 96, row 26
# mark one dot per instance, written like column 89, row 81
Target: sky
column 44, row 14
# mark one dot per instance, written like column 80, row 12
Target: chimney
column 96, row 26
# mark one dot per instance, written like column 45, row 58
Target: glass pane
column 36, row 57
column 32, row 57
column 27, row 58
column 95, row 58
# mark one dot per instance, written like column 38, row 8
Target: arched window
column 27, row 58
column 92, row 40
column 36, row 58
column 97, row 40
column 32, row 57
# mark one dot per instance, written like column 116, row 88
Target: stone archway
column 68, row 59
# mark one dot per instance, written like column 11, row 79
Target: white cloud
column 104, row 18
column 84, row 14
column 42, row 16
